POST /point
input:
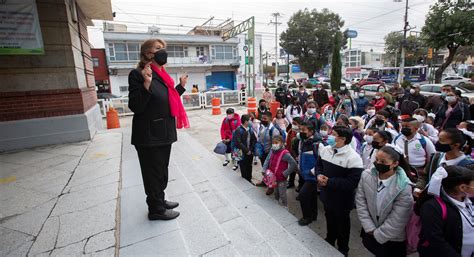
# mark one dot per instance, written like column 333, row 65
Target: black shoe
column 298, row 189
column 269, row 191
column 171, row 205
column 304, row 222
column 225, row 163
column 261, row 184
column 235, row 168
column 167, row 215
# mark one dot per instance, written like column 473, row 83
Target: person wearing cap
column 416, row 147
column 412, row 101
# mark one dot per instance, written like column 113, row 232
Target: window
column 425, row 88
column 437, row 89
column 200, row 51
column 95, row 61
column 124, row 51
column 123, row 88
column 177, row 51
column 223, row 52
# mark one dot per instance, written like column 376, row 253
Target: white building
column 357, row 64
column 207, row 60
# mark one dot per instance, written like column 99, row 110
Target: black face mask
column 161, row 57
column 376, row 145
column 382, row 168
column 265, row 123
column 406, row 132
column 442, row 147
column 303, row 136
column 379, row 122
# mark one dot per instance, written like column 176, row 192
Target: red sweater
column 228, row 126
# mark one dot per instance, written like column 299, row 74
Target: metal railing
column 191, row 101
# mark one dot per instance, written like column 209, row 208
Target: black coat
column 459, row 113
column 321, row 97
column 241, row 134
column 441, row 237
column 152, row 123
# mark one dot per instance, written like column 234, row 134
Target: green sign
column 20, row 32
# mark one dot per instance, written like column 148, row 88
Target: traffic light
column 430, row 53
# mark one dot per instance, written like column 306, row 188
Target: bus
column 390, row 74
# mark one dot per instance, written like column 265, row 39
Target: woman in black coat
column 157, row 112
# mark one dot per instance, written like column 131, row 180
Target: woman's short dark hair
column 457, row 175
column 395, row 156
column 385, row 135
column 344, row 132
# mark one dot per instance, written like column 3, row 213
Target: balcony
column 200, row 61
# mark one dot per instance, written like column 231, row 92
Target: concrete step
column 221, row 213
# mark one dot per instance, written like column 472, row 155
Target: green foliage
column 336, row 64
column 406, row 84
column 310, row 37
column 414, row 48
column 449, row 24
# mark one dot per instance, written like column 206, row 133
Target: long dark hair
column 398, row 157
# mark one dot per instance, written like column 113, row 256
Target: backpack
column 408, row 106
column 413, row 172
column 236, row 152
column 281, row 131
column 413, row 227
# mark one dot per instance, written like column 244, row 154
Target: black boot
column 171, row 205
column 166, row 215
column 304, row 222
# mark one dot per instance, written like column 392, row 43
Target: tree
column 310, row 37
column 414, row 48
column 336, row 64
column 449, row 24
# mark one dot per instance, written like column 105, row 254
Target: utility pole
column 276, row 15
column 266, row 67
column 401, row 74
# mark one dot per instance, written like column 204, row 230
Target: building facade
column 50, row 98
column 357, row 63
column 101, row 71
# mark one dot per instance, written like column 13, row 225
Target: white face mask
column 343, row 88
column 311, row 111
column 412, row 91
column 371, row 112
column 368, row 139
column 377, row 97
column 295, row 128
column 451, row 99
column 276, row 147
column 419, row 117
column 324, row 133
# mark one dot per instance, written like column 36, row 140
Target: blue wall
column 221, row 78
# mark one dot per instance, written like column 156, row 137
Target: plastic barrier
column 216, row 106
column 252, row 105
column 112, row 119
column 274, row 106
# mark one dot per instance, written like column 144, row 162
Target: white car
column 435, row 89
column 455, row 80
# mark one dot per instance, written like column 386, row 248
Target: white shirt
column 466, row 212
column 382, row 190
column 292, row 114
column 452, row 162
column 368, row 156
column 417, row 155
column 432, row 132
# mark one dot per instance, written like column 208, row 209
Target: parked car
column 271, row 83
column 370, row 90
column 313, row 81
column 435, row 89
column 455, row 80
column 369, row 81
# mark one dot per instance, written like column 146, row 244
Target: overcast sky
column 372, row 19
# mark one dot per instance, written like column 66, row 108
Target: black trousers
column 154, row 163
column 263, row 158
column 338, row 228
column 246, row 167
column 308, row 196
column 389, row 249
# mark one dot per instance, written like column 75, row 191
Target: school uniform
column 245, row 141
column 418, row 149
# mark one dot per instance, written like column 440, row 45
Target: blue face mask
column 331, row 140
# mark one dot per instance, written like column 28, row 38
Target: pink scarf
column 176, row 106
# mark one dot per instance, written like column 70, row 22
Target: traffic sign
column 350, row 33
column 246, row 48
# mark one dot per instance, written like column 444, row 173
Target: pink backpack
column 413, row 227
column 269, row 177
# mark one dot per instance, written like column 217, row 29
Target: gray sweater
column 292, row 165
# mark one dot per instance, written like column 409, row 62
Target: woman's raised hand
column 147, row 76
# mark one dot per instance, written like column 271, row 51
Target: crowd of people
column 402, row 160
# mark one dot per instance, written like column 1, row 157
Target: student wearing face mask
column 281, row 164
column 328, row 115
column 381, row 122
column 244, row 141
column 280, row 120
column 367, row 149
column 320, row 95
column 311, row 116
column 229, row 124
column 262, row 108
column 451, row 112
column 294, row 109
column 370, row 114
column 302, row 95
column 384, row 203
column 361, row 103
column 426, row 129
column 449, row 152
column 291, row 145
column 338, row 171
column 346, row 106
column 447, row 224
column 416, row 147
column 267, row 96
column 356, row 123
column 308, row 154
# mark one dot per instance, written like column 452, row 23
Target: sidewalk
column 61, row 200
